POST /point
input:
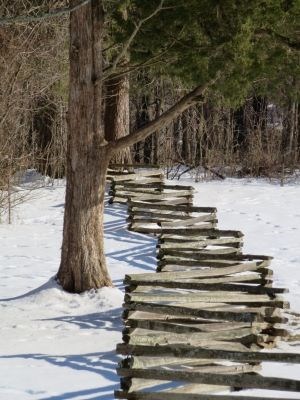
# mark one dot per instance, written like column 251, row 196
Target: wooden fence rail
column 198, row 326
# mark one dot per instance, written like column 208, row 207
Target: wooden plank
column 208, row 261
column 198, row 365
column 190, row 320
column 186, row 396
column 199, row 248
column 211, row 296
column 140, row 182
column 140, row 312
column 189, row 221
column 137, row 166
column 141, row 384
column 125, row 195
column 208, row 297
column 181, row 328
column 195, row 254
column 128, row 192
column 136, row 384
column 265, row 273
column 127, row 188
column 193, row 284
column 209, row 273
column 171, row 240
column 172, row 193
column 198, row 352
column 216, row 312
column 164, row 196
column 204, row 266
column 239, row 257
column 239, row 315
column 232, row 342
column 203, row 339
column 158, row 185
column 127, row 177
column 141, row 221
column 200, row 231
column 180, row 339
column 198, row 244
column 172, row 207
column 253, row 278
column 136, row 212
column 179, row 220
column 149, row 230
column 180, row 201
column 246, row 381
column 147, row 362
column 117, row 199
column 144, row 194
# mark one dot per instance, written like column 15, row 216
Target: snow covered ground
column 55, row 345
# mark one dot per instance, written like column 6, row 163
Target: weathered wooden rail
column 198, row 326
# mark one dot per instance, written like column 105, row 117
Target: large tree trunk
column 116, row 117
column 83, row 265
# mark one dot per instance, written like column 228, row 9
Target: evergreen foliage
column 253, row 44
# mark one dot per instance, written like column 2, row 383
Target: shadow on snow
column 142, row 255
column 102, row 363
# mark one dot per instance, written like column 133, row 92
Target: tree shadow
column 143, row 254
column 51, row 283
column 107, row 320
column 102, row 364
column 78, row 395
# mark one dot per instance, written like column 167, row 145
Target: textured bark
column 83, row 265
column 190, row 99
column 117, row 117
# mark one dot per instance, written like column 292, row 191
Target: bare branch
column 150, row 62
column 284, row 40
column 129, row 41
column 164, row 119
column 38, row 17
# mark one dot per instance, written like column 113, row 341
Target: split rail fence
column 202, row 324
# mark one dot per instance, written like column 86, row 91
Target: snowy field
column 59, row 346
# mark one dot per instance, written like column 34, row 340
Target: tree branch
column 58, row 12
column 154, row 60
column 164, row 119
column 129, row 41
column 284, row 40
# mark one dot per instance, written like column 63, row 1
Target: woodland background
column 248, row 132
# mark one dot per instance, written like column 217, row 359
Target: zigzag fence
column 198, row 326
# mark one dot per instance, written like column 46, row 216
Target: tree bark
column 117, row 117
column 83, row 264
column 190, row 99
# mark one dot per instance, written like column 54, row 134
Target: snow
column 55, row 345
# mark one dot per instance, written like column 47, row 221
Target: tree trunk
column 143, row 118
column 116, row 117
column 155, row 136
column 83, row 265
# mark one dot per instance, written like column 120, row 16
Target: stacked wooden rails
column 125, row 184
column 197, row 327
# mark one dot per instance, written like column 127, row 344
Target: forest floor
column 59, row 346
